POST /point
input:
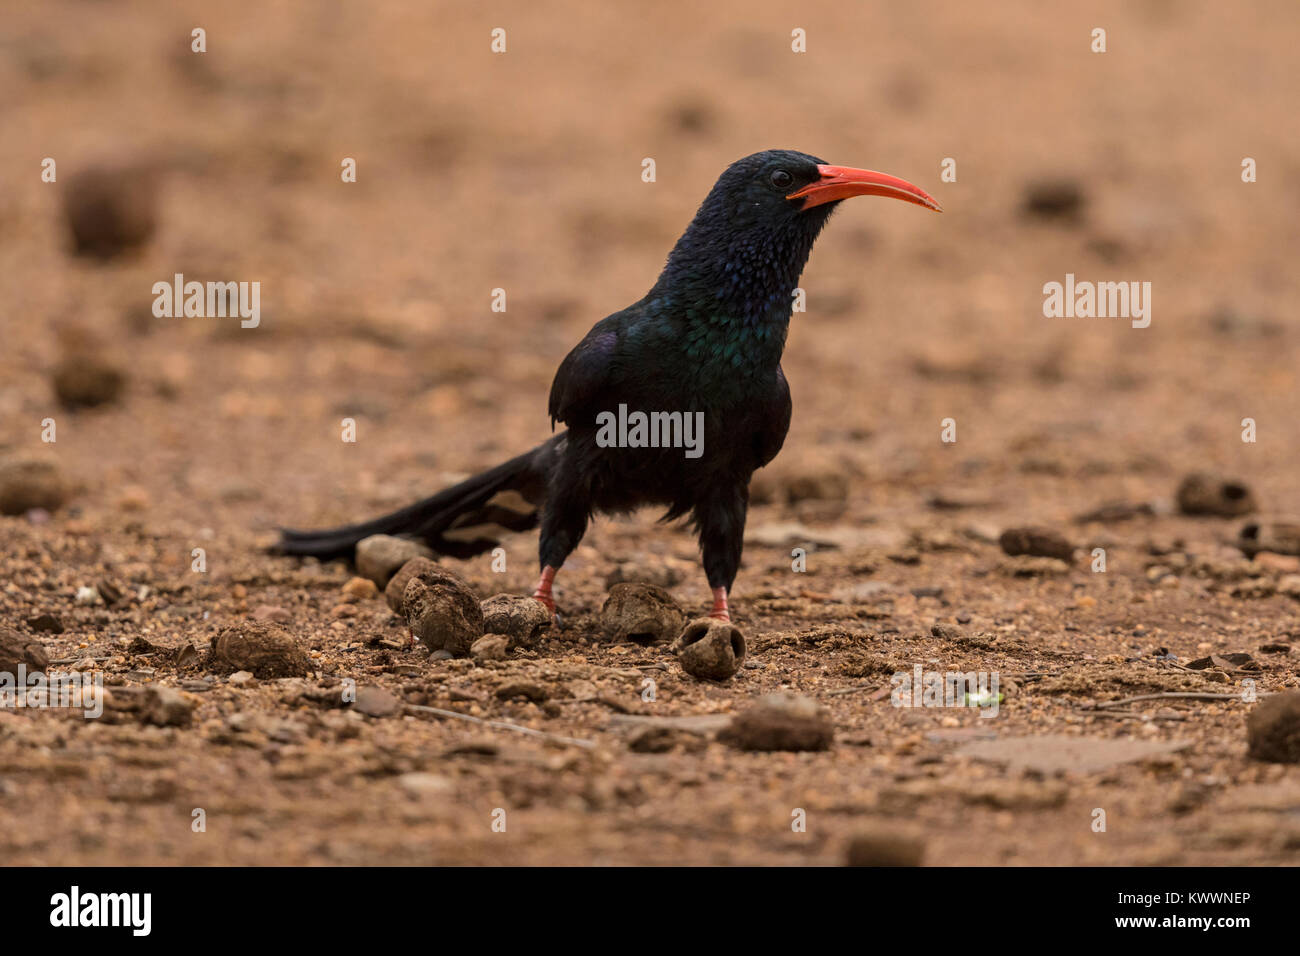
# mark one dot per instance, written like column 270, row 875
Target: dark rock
column 660, row 739
column 395, row 590
column 86, row 380
column 1058, row 200
column 46, row 624
column 1206, row 494
column 529, row 690
column 16, row 649
column 641, row 613
column 885, row 847
column 1277, row 536
column 443, row 611
column 29, row 482
column 265, row 650
column 524, row 620
column 111, row 210
column 1036, row 542
column 781, row 722
column 1273, row 728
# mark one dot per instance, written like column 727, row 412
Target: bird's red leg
column 543, row 592
column 720, row 610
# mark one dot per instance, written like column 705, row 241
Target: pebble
column 657, row 572
column 522, row 688
column 523, row 620
column 360, row 589
column 1061, row 200
column 1275, row 542
column 111, row 210
column 30, row 483
column 489, row 647
column 422, row 784
column 46, row 624
column 87, row 380
column 1202, row 493
column 380, row 556
column 1273, row 728
column 443, row 611
column 269, row 612
column 395, row 590
column 642, row 613
column 165, row 707
column 266, row 650
column 781, row 721
column 377, row 702
column 710, row 649
column 1036, row 542
column 885, row 847
column 16, row 649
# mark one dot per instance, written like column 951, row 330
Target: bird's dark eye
column 781, row 179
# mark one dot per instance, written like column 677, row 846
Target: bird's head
column 780, row 186
column 743, row 252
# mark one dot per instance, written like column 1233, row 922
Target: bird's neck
column 731, row 296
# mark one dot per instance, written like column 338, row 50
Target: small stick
column 1128, row 714
column 1169, row 695
column 501, row 725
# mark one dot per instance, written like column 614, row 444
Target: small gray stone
column 377, row 702
column 166, row 707
column 380, row 556
column 490, row 647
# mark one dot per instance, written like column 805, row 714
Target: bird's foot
column 543, row 594
column 720, row 609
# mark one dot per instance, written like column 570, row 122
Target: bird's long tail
column 460, row 521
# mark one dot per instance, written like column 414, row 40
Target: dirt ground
column 522, row 171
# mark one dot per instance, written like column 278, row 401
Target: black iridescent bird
column 703, row 346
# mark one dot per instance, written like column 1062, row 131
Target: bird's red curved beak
column 843, row 182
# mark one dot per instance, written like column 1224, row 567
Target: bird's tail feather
column 461, row 521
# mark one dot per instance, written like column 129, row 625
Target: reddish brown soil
column 522, row 171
